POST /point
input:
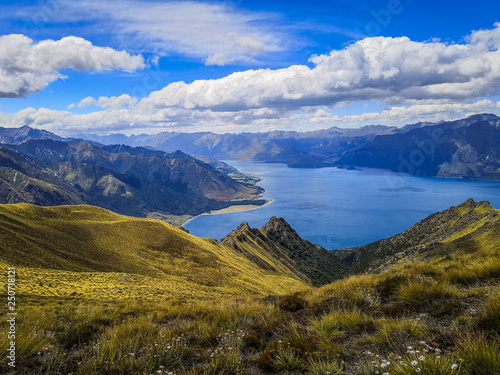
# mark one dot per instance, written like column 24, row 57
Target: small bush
column 397, row 332
column 292, row 303
column 387, row 287
column 300, row 348
column 326, row 326
column 287, row 360
column 423, row 292
column 324, row 367
column 481, row 356
column 490, row 317
column 440, row 309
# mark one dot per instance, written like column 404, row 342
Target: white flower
column 454, row 366
column 417, row 369
column 421, row 358
column 414, row 363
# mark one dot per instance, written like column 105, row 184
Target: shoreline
column 230, row 210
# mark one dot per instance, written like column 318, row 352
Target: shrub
column 326, row 326
column 481, row 356
column 387, row 287
column 324, row 367
column 287, row 360
column 490, row 317
column 292, row 303
column 422, row 292
column 396, row 332
column 301, row 348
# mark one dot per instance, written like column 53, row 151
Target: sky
column 86, row 66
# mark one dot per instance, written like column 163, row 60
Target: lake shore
column 231, row 209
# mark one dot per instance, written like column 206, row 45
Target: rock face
column 462, row 228
column 280, row 241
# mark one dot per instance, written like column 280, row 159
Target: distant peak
column 277, row 224
column 179, row 154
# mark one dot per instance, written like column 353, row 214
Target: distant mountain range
column 134, row 177
column 466, row 148
column 133, row 181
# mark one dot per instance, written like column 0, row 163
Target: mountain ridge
column 134, row 181
column 443, row 149
column 436, row 235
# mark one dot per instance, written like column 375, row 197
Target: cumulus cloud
column 88, row 101
column 392, row 70
column 113, row 102
column 417, row 81
column 116, row 102
column 26, row 67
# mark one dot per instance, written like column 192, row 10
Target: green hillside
column 100, row 293
column 93, row 253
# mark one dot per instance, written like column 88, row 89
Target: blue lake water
column 338, row 208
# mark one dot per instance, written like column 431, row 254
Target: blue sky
column 148, row 66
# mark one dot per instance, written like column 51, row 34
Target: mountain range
column 466, row 148
column 134, row 181
column 141, row 180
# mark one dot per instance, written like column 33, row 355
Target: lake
column 338, row 208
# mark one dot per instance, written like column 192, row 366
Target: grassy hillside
column 89, row 252
column 437, row 312
column 461, row 230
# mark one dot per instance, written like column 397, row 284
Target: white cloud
column 113, row 102
column 392, row 70
column 88, row 101
column 217, row 33
column 134, row 120
column 417, row 81
column 26, row 67
column 116, row 102
column 399, row 115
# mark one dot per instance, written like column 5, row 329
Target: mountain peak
column 471, row 204
column 243, row 227
column 277, row 224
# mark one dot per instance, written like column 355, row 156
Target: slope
column 467, row 228
column 281, row 243
column 132, row 181
column 96, row 254
column 22, row 180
